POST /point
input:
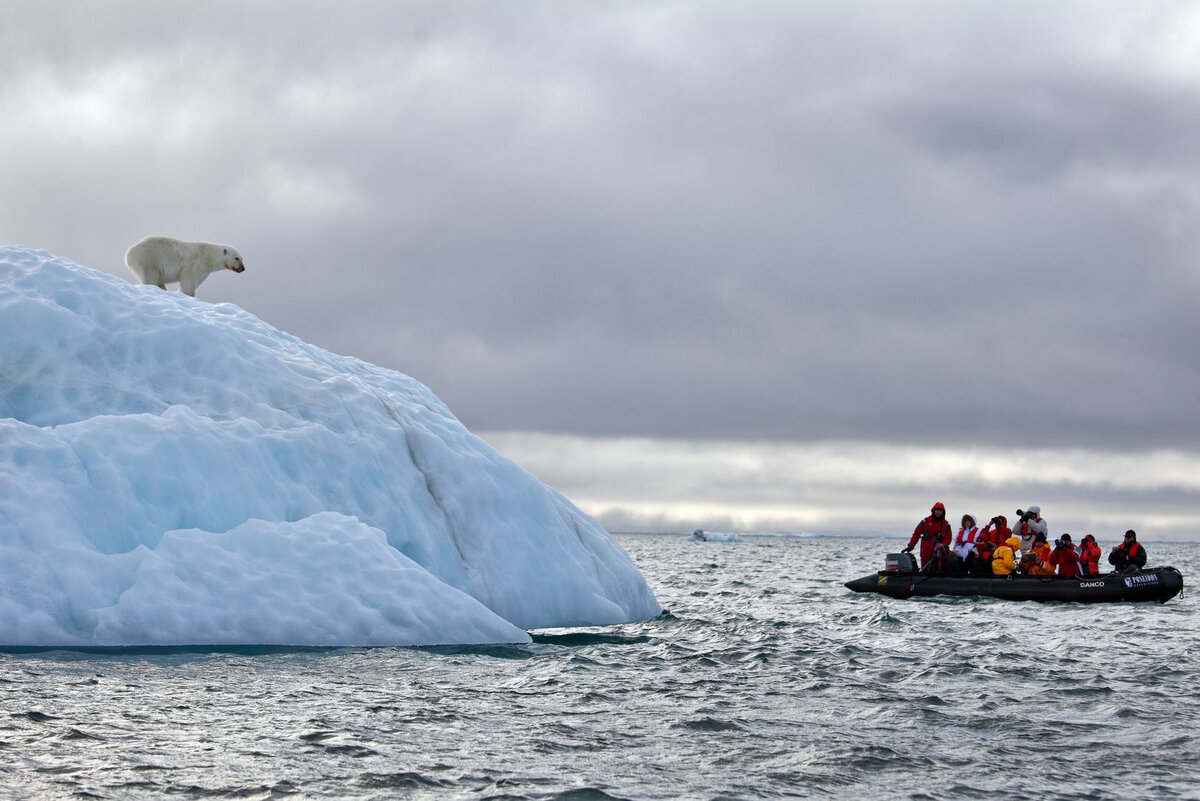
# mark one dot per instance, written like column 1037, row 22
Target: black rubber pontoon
column 1155, row 584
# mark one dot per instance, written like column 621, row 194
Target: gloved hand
column 906, row 550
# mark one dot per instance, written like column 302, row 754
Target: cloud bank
column 926, row 224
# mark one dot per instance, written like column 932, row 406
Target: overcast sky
column 734, row 264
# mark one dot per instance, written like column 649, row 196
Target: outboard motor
column 900, row 563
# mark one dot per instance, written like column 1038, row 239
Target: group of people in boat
column 995, row 549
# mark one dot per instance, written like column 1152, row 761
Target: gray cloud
column 921, row 222
column 656, row 484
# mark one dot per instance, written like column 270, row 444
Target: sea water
column 765, row 678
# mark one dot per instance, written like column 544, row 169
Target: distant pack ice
column 179, row 473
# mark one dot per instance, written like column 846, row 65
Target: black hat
column 1131, row 533
column 1065, row 538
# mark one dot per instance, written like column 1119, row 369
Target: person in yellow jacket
column 1040, row 564
column 1003, row 560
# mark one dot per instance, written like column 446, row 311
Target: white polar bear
column 161, row 260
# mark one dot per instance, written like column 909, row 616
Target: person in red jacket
column 930, row 532
column 997, row 530
column 984, row 552
column 1064, row 557
column 1089, row 556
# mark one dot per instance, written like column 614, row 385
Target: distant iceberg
column 700, row 535
column 174, row 472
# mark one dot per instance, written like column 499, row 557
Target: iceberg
column 700, row 535
column 174, row 472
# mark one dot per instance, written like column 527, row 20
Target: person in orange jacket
column 1089, row 556
column 1039, row 564
column 1004, row 560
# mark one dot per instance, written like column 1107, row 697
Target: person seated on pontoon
column 1129, row 555
column 1036, row 561
column 1004, row 560
column 980, row 561
column 942, row 562
column 968, row 535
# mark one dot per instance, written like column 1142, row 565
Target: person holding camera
column 1128, row 555
column 1089, row 556
column 931, row 531
column 1064, row 557
column 997, row 531
column 1029, row 525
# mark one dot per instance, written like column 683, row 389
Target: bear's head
column 233, row 260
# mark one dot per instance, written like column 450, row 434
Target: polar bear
column 162, row 260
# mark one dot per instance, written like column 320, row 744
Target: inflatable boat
column 902, row 580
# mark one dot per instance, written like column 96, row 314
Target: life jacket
column 934, row 529
column 1089, row 557
column 1000, row 533
column 1027, row 530
column 1042, row 568
column 1125, row 556
column 967, row 537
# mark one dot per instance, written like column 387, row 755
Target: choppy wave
column 764, row 678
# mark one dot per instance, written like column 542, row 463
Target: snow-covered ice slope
column 175, row 472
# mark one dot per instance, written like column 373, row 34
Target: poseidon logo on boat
column 1133, row 581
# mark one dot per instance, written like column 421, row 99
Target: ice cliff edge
column 174, row 472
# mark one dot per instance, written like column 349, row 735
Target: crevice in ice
column 414, row 456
